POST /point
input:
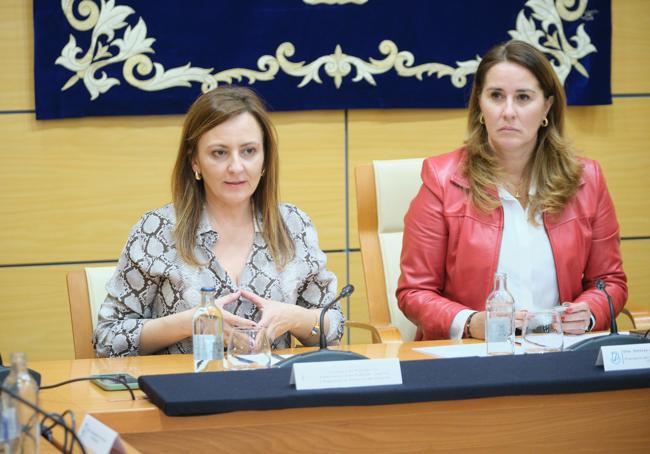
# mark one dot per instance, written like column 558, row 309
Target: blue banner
column 127, row 57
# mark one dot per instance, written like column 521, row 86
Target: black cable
column 70, row 437
column 46, row 431
column 54, row 417
column 116, row 378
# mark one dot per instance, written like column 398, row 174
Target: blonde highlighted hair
column 553, row 167
column 188, row 194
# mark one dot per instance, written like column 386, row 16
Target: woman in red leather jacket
column 514, row 199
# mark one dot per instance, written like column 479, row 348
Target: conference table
column 609, row 421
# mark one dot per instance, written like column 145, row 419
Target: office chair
column 86, row 293
column 384, row 192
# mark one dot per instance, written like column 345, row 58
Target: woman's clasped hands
column 277, row 318
column 230, row 320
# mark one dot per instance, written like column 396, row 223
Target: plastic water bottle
column 500, row 318
column 20, row 423
column 207, row 333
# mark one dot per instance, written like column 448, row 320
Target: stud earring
column 197, row 175
column 544, row 122
column 480, row 119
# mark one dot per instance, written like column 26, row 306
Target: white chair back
column 96, row 279
column 396, row 184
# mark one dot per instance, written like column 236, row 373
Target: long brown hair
column 188, row 194
column 553, row 166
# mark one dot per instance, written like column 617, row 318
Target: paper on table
column 454, row 351
column 275, row 358
column 467, row 350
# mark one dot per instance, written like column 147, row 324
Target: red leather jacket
column 450, row 249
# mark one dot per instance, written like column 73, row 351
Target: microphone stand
column 613, row 338
column 323, row 353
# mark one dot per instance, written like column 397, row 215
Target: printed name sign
column 346, row 374
column 624, row 357
column 98, row 438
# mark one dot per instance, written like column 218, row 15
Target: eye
column 219, row 153
column 523, row 97
column 249, row 151
column 496, row 95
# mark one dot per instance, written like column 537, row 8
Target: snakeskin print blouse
column 151, row 280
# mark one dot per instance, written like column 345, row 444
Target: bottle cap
column 208, row 289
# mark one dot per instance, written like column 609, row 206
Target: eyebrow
column 519, row 90
column 223, row 145
column 252, row 142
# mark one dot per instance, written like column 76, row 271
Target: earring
column 263, row 172
column 197, row 175
column 544, row 122
column 480, row 119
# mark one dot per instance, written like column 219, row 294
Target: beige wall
column 70, row 190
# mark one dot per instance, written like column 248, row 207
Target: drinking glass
column 542, row 331
column 249, row 348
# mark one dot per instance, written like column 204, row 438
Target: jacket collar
column 459, row 178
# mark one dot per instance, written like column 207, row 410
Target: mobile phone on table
column 109, row 382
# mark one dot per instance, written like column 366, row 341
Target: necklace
column 515, row 189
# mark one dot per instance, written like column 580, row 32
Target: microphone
column 323, row 353
column 613, row 328
column 345, row 292
column 613, row 338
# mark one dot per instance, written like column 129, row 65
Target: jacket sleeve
column 604, row 259
column 423, row 261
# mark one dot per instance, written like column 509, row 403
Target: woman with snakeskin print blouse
column 225, row 228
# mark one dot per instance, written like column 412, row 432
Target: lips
column 235, row 183
column 508, row 129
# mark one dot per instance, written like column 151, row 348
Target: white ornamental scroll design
column 551, row 38
column 105, row 19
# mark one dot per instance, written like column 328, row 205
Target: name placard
column 346, row 374
column 98, row 438
column 624, row 357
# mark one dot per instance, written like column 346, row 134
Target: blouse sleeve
column 319, row 285
column 129, row 301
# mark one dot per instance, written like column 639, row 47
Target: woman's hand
column 231, row 320
column 477, row 326
column 159, row 333
column 277, row 318
column 477, row 323
column 576, row 318
column 520, row 316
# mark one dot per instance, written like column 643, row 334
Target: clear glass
column 20, row 422
column 542, row 332
column 500, row 319
column 249, row 348
column 207, row 334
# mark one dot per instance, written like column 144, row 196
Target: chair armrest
column 381, row 334
column 640, row 318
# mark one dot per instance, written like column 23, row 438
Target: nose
column 235, row 165
column 509, row 108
